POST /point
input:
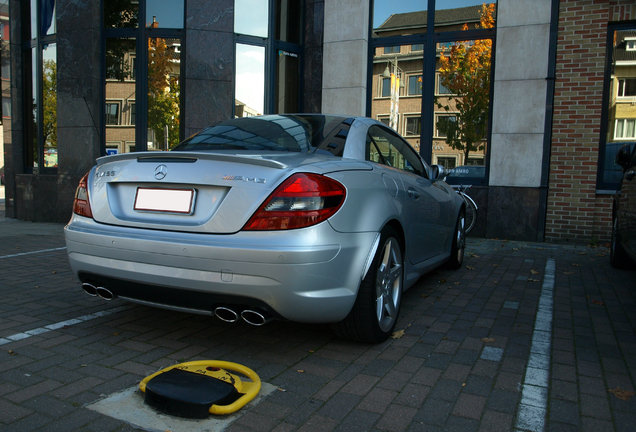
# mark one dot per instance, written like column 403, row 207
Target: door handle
column 412, row 193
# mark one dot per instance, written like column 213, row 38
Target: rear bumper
column 306, row 275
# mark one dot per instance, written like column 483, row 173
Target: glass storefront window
column 34, row 18
column 49, row 105
column 33, row 154
column 251, row 17
column 620, row 111
column 121, row 14
column 287, row 75
column 120, row 93
column 250, row 80
column 448, row 109
column 164, row 94
column 47, row 17
column 462, row 105
column 164, row 14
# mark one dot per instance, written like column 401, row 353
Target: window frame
column 118, row 114
column 623, row 137
column 435, row 128
column 408, row 117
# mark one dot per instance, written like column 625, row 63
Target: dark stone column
column 14, row 147
column 209, row 63
column 79, row 98
column 313, row 54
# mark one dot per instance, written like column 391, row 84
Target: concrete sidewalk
column 525, row 336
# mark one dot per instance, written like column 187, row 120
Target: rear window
column 288, row 133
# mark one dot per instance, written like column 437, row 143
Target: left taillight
column 302, row 200
column 81, row 204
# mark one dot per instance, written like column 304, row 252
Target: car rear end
column 229, row 232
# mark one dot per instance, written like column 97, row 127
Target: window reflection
column 164, row 14
column 47, row 17
column 459, row 91
column 397, row 89
column 32, row 154
column 164, row 65
column 251, row 17
column 288, row 21
column 453, row 15
column 392, row 17
column 621, row 115
column 34, row 19
column 121, row 13
column 250, row 80
column 49, row 105
column 462, row 105
column 120, row 95
column 287, row 73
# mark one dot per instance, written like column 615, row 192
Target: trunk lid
column 195, row 192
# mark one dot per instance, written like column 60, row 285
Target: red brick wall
column 575, row 211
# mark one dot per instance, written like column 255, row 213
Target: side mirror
column 438, row 172
column 624, row 156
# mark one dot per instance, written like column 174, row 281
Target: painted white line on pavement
column 534, row 393
column 31, row 253
column 58, row 325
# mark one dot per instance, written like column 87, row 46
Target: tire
column 618, row 257
column 458, row 246
column 375, row 312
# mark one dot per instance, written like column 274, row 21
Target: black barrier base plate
column 188, row 394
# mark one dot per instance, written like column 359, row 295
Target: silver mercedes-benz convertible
column 310, row 218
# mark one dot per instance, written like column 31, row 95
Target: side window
column 387, row 148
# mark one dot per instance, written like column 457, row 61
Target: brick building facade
column 577, row 208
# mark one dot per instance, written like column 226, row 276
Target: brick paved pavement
column 460, row 364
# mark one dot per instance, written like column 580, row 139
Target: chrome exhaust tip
column 105, row 293
column 254, row 318
column 226, row 314
column 89, row 289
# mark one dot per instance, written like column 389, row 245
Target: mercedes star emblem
column 160, row 172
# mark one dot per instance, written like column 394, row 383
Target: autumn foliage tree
column 163, row 92
column 465, row 72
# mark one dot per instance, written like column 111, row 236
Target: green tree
column 49, row 103
column 465, row 72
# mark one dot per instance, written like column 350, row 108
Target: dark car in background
column 623, row 245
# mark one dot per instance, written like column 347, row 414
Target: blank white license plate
column 165, row 200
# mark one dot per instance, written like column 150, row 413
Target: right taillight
column 304, row 199
column 81, row 205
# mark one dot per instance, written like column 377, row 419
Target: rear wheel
column 377, row 306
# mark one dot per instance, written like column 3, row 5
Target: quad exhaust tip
column 254, row 318
column 230, row 315
column 226, row 314
column 98, row 291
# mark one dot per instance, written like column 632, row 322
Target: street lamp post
column 395, row 91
